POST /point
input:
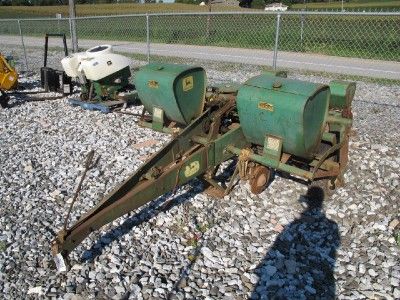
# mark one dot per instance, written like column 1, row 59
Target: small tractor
column 269, row 124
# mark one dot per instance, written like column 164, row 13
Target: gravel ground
column 240, row 247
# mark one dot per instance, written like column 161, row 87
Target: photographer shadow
column 300, row 264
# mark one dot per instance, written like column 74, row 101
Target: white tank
column 71, row 63
column 99, row 50
column 96, row 68
column 96, row 63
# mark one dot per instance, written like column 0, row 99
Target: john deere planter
column 269, row 123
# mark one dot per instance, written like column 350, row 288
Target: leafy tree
column 5, row 3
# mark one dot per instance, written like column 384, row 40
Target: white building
column 276, row 7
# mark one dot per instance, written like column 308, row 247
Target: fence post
column 208, row 30
column 148, row 37
column 72, row 31
column 278, row 24
column 302, row 17
column 23, row 44
column 72, row 22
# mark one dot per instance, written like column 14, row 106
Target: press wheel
column 259, row 179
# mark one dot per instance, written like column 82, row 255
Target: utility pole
column 342, row 5
column 208, row 20
column 72, row 24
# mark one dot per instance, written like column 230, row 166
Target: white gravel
column 201, row 248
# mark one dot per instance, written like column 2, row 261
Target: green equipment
column 270, row 123
column 292, row 110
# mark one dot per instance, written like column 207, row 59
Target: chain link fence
column 348, row 45
column 24, row 40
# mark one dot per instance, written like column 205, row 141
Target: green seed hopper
column 289, row 109
column 171, row 93
column 269, row 124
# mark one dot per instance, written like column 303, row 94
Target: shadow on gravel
column 301, row 262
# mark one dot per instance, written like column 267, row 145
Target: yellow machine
column 8, row 79
column 8, row 75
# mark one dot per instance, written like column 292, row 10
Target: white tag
column 60, row 263
column 157, row 112
column 67, row 89
column 273, row 143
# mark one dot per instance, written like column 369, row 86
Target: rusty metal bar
column 265, row 161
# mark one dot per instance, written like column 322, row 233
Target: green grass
column 134, row 8
column 353, row 4
column 105, row 9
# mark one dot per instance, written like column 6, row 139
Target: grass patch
column 354, row 4
column 106, row 9
column 135, row 8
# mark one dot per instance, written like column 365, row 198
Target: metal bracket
column 273, row 147
column 158, row 119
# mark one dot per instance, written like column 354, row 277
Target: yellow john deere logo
column 187, row 83
column 266, row 106
column 153, row 84
column 192, row 169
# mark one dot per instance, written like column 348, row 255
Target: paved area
column 310, row 62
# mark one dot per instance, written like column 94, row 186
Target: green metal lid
column 285, row 85
column 227, row 88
